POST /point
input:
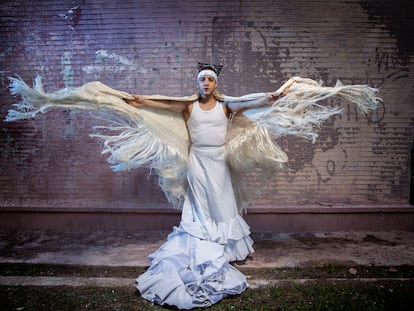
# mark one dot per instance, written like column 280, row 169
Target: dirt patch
column 369, row 238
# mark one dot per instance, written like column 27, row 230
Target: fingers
column 273, row 97
column 133, row 103
column 136, row 102
column 283, row 93
column 129, row 101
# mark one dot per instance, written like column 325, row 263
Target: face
column 206, row 85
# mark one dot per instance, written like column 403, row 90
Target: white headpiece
column 207, row 72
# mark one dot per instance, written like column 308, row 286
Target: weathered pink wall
column 153, row 47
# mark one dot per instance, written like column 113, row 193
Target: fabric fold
column 188, row 272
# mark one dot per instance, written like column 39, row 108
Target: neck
column 207, row 99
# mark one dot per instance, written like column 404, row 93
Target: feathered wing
column 131, row 137
column 251, row 141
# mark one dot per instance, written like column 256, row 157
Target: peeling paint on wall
column 72, row 16
column 115, row 62
column 101, row 55
column 67, row 70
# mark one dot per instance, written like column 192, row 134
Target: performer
column 192, row 268
column 190, row 142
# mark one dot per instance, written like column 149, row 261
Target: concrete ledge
column 332, row 218
column 288, row 219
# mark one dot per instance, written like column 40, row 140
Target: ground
column 49, row 270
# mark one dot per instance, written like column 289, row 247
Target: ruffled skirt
column 192, row 268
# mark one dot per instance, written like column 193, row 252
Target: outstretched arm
column 255, row 103
column 171, row 105
column 263, row 101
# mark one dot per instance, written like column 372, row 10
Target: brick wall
column 153, row 47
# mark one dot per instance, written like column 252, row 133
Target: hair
column 216, row 68
column 218, row 96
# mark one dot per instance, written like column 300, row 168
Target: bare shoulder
column 226, row 110
column 188, row 109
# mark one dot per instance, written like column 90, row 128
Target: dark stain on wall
column 398, row 16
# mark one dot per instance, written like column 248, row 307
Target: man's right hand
column 137, row 102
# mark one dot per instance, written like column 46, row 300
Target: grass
column 392, row 295
column 358, row 296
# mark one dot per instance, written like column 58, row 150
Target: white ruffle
column 234, row 234
column 198, row 271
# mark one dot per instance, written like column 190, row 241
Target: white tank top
column 207, row 128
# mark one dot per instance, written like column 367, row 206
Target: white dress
column 192, row 268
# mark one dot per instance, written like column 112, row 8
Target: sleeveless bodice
column 207, row 127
